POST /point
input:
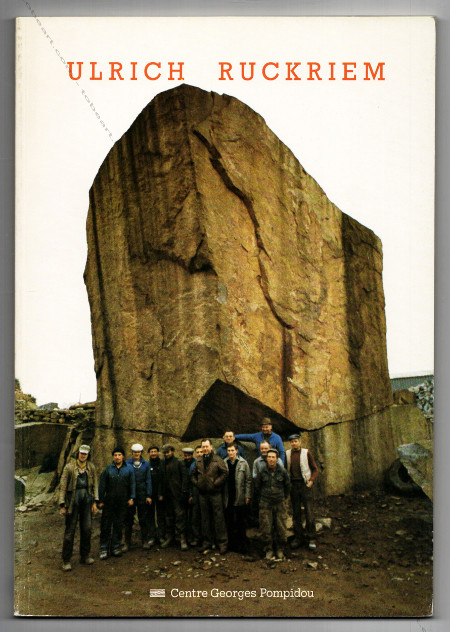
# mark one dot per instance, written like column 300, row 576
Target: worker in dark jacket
column 272, row 485
column 194, row 501
column 117, row 491
column 188, row 462
column 236, row 499
column 229, row 439
column 209, row 475
column 156, row 513
column 143, row 480
column 176, row 488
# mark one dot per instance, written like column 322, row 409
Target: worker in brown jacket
column 209, row 475
column 78, row 496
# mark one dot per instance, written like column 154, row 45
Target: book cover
column 220, row 221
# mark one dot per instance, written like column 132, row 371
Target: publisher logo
column 157, row 592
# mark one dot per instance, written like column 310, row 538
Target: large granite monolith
column 224, row 286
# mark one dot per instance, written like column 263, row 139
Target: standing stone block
column 223, row 284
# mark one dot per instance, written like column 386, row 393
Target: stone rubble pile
column 425, row 397
column 56, row 416
column 23, row 402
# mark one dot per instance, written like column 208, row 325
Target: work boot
column 126, row 546
column 167, row 542
column 269, row 554
column 67, row 566
column 87, row 560
column 183, row 543
column 204, row 546
column 280, row 554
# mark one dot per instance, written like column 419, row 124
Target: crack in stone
column 157, row 254
column 373, row 246
column 297, row 387
column 141, row 430
column 377, row 411
column 216, row 161
column 264, row 284
column 200, row 262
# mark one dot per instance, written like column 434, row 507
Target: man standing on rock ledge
column 78, row 495
column 266, row 434
column 117, row 491
column 229, row 439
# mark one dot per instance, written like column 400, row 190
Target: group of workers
column 205, row 500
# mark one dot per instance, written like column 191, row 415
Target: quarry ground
column 375, row 561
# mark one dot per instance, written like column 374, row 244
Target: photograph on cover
column 224, row 316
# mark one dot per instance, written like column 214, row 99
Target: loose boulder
column 417, row 458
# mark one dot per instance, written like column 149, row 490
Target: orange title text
column 227, row 71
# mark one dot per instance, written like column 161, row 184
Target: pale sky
column 369, row 145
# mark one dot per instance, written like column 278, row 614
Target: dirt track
column 375, row 561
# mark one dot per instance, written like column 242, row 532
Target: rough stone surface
column 57, row 416
column 404, row 396
column 418, row 460
column 223, row 284
column 19, row 490
column 37, row 442
column 23, row 403
column 355, row 455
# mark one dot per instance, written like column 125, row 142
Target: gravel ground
column 375, row 561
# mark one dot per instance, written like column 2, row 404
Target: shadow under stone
column 225, row 407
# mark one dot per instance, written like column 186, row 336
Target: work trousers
column 175, row 515
column 156, row 519
column 142, row 511
column 235, row 519
column 83, row 513
column 272, row 523
column 113, row 517
column 213, row 520
column 194, row 519
column 302, row 495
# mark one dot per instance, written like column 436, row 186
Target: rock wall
column 223, row 284
column 36, row 443
column 351, row 456
column 355, row 455
column 46, row 438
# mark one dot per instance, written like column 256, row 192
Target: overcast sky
column 369, row 145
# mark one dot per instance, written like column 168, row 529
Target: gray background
column 10, row 9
